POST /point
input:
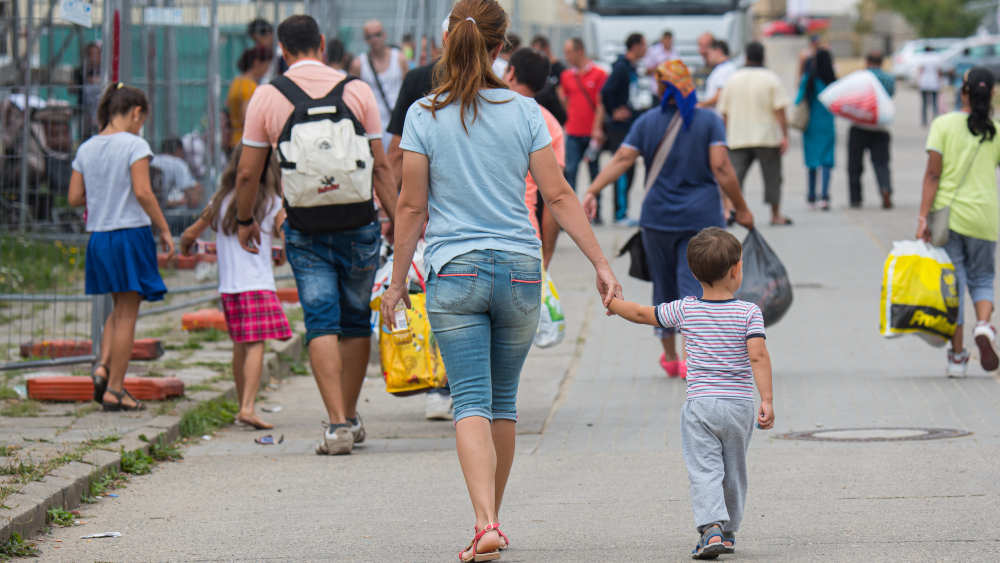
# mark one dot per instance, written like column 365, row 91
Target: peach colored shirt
column 268, row 109
column 531, row 188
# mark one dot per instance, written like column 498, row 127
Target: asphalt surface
column 599, row 474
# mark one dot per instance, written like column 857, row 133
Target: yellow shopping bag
column 919, row 293
column 411, row 362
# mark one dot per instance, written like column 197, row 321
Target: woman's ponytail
column 119, row 99
column 476, row 28
column 978, row 86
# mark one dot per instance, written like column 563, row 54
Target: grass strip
column 208, row 416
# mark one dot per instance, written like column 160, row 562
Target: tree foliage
column 938, row 18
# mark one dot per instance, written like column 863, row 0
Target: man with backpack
column 326, row 129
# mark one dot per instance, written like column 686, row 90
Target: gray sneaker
column 358, row 428
column 338, row 442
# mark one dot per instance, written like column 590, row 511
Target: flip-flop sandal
column 100, row 383
column 786, row 223
column 706, row 550
column 473, row 549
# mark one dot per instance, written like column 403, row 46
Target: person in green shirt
column 962, row 155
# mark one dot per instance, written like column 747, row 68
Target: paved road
column 599, row 475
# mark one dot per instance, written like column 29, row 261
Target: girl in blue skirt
column 111, row 177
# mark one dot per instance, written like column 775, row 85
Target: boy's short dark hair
column 712, row 253
column 530, row 67
column 299, row 34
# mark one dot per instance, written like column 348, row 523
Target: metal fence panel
column 183, row 54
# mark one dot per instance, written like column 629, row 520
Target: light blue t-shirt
column 476, row 195
column 106, row 164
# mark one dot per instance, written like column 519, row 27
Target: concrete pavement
column 599, row 475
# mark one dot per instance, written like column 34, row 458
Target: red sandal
column 471, row 553
column 504, row 541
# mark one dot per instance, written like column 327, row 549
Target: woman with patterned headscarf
column 683, row 197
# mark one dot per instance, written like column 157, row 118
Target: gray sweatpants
column 715, row 435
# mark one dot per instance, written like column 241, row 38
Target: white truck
column 606, row 24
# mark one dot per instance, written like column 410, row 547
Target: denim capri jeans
column 483, row 307
column 975, row 268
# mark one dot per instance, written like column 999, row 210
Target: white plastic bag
column 860, row 98
column 551, row 321
column 383, row 276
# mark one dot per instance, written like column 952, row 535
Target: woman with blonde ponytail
column 467, row 149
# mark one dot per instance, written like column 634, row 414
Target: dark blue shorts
column 666, row 255
column 335, row 273
column 122, row 261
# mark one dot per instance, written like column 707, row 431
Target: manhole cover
column 875, row 434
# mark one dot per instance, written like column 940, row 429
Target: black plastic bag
column 765, row 281
column 638, row 268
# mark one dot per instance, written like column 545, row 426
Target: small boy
column 726, row 353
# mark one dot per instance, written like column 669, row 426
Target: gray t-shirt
column 105, row 162
column 176, row 176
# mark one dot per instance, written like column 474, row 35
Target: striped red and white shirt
column 716, row 334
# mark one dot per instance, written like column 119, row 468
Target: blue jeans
column 575, row 148
column 483, row 307
column 666, row 255
column 335, row 273
column 975, row 268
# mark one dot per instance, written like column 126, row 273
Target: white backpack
column 326, row 162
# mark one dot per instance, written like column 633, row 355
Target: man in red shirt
column 580, row 91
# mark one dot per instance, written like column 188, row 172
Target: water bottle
column 593, row 151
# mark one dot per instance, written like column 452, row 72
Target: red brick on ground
column 142, row 349
column 204, row 319
column 288, row 294
column 81, row 388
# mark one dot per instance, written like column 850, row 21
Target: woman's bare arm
column 932, row 181
column 410, row 213
column 77, row 190
column 567, row 211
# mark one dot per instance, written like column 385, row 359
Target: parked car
column 908, row 58
column 983, row 50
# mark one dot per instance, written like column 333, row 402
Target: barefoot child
column 246, row 281
column 111, row 178
column 726, row 353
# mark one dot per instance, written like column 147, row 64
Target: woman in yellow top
column 253, row 66
column 963, row 150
